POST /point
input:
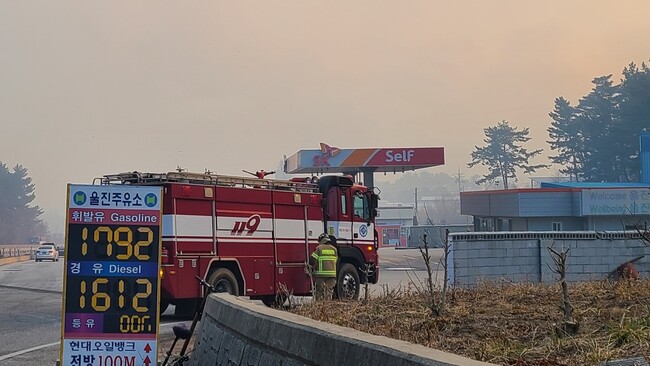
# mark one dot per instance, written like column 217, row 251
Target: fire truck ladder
column 138, row 178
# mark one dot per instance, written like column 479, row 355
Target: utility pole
column 416, row 199
column 459, row 179
column 415, row 214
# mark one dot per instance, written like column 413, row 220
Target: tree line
column 596, row 140
column 19, row 218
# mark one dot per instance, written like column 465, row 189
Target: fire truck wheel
column 347, row 283
column 224, row 281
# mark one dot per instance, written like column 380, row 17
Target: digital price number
column 105, row 294
column 115, row 242
column 116, row 275
column 100, row 296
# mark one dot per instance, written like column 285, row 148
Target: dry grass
column 509, row 324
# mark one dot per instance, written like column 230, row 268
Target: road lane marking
column 18, row 353
column 170, row 324
column 31, row 289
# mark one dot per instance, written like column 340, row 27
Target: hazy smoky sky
column 95, row 87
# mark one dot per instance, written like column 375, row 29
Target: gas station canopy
column 330, row 159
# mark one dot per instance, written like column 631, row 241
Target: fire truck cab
column 253, row 237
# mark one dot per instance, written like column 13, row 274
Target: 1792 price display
column 114, row 243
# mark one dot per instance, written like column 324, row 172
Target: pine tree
column 596, row 116
column 598, row 140
column 19, row 219
column 567, row 139
column 503, row 155
column 634, row 112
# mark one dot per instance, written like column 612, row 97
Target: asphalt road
column 399, row 267
column 30, row 312
column 31, row 296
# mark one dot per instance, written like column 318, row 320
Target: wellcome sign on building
column 573, row 206
column 616, row 202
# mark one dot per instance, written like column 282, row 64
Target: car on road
column 52, row 245
column 49, row 244
column 47, row 252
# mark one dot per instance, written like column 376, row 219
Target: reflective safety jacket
column 323, row 259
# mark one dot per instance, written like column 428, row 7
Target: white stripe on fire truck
column 187, row 225
column 237, row 238
column 256, row 240
column 186, row 239
column 192, row 225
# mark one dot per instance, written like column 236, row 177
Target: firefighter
column 323, row 263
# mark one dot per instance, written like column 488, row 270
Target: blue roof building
column 560, row 207
column 565, row 206
column 592, row 185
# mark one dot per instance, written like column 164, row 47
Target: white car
column 48, row 252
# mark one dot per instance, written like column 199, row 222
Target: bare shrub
column 368, row 271
column 507, row 324
column 284, row 294
column 569, row 324
column 436, row 295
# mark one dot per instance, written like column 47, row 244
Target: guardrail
column 16, row 252
column 545, row 235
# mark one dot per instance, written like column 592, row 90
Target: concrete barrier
column 524, row 257
column 235, row 331
column 9, row 260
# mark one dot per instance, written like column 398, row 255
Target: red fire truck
column 253, row 237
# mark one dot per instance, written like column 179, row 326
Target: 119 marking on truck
column 249, row 225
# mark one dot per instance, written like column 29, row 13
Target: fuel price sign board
column 111, row 280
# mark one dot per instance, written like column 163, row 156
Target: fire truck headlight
column 370, row 248
column 162, row 273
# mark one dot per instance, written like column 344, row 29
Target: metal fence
column 545, row 235
column 16, row 252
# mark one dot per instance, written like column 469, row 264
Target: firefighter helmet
column 324, row 239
